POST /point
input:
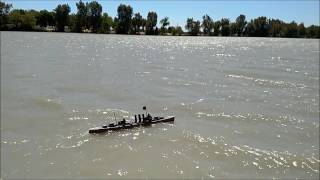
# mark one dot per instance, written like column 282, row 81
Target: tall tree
column 193, row 26
column 164, row 23
column 275, row 27
column 61, row 16
column 4, row 11
column 216, row 28
column 250, row 30
column 233, row 29
column 291, row 30
column 94, row 15
column 45, row 18
column 261, row 26
column 115, row 24
column 151, row 23
column 143, row 24
column 241, row 24
column 137, row 22
column 124, row 19
column 301, row 30
column 225, row 27
column 106, row 23
column 207, row 24
column 72, row 22
column 81, row 16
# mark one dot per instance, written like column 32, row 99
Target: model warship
column 139, row 120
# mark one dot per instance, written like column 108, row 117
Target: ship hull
column 105, row 129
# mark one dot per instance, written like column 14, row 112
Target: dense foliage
column 137, row 23
column 90, row 18
column 207, row 24
column 124, row 19
column 151, row 24
column 61, row 16
column 193, row 27
column 164, row 23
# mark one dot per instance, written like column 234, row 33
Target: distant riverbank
column 90, row 19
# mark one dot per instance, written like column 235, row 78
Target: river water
column 245, row 107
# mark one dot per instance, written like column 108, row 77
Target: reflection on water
column 244, row 107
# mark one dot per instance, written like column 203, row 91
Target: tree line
column 90, row 18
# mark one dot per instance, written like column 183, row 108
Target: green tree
column 241, row 24
column 172, row 30
column 4, row 11
column 156, row 31
column 275, row 27
column 216, row 28
column 143, row 24
column 61, row 16
column 290, row 30
column 151, row 23
column 225, row 27
column 301, row 30
column 51, row 19
column 94, row 15
column 33, row 12
column 179, row 30
column 317, row 32
column 81, row 16
column 4, row 8
column 233, row 29
column 115, row 24
column 22, row 20
column 124, row 19
column 175, row 30
column 261, row 26
column 72, row 22
column 137, row 22
column 45, row 18
column 107, row 23
column 193, row 26
column 207, row 24
column 164, row 23
column 313, row 31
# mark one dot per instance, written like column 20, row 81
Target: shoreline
column 185, row 35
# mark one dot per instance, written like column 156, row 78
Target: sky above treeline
column 306, row 11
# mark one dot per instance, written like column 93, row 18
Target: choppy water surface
column 244, row 107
